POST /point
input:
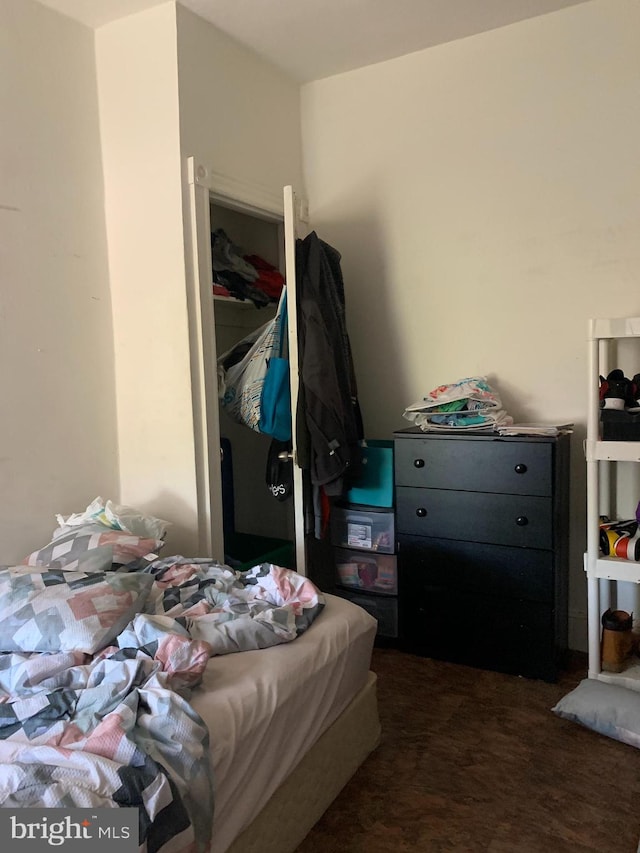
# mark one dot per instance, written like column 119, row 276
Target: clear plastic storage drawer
column 365, row 528
column 361, row 571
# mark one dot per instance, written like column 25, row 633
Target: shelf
column 241, row 315
column 232, row 300
column 619, row 327
column 601, row 493
column 630, row 678
column 615, row 569
column 612, row 451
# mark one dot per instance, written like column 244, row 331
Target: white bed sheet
column 266, row 708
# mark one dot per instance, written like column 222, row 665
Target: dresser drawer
column 485, row 631
column 511, row 467
column 516, row 573
column 519, row 520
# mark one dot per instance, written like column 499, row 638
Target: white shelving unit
column 603, row 571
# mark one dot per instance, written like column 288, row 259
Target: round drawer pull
column 520, row 468
column 419, row 463
column 421, row 512
column 522, row 521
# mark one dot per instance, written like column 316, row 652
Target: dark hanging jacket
column 329, row 419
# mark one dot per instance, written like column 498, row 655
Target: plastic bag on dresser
column 468, row 404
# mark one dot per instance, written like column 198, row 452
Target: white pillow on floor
column 606, row 708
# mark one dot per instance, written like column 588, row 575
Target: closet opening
column 257, row 526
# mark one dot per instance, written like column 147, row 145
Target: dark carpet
column 472, row 760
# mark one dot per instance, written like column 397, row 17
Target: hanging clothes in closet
column 329, row 421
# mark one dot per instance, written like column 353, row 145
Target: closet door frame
column 292, row 228
column 204, row 187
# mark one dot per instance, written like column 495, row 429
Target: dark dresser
column 482, row 538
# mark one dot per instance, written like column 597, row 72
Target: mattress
column 317, row 780
column 265, row 709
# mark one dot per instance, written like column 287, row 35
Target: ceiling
column 310, row 39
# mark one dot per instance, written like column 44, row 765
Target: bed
column 289, row 725
column 111, row 656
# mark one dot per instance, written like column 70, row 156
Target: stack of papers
column 534, row 429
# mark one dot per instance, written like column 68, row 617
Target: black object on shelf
column 620, row 425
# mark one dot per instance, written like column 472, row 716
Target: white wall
column 239, row 118
column 238, row 114
column 171, row 85
column 58, row 426
column 485, row 195
column 139, row 113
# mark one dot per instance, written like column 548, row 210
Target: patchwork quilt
column 114, row 727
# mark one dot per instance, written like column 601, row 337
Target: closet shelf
column 231, row 300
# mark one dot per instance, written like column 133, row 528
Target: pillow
column 606, row 708
column 117, row 517
column 86, row 549
column 54, row 610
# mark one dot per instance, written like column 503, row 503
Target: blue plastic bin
column 374, row 487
